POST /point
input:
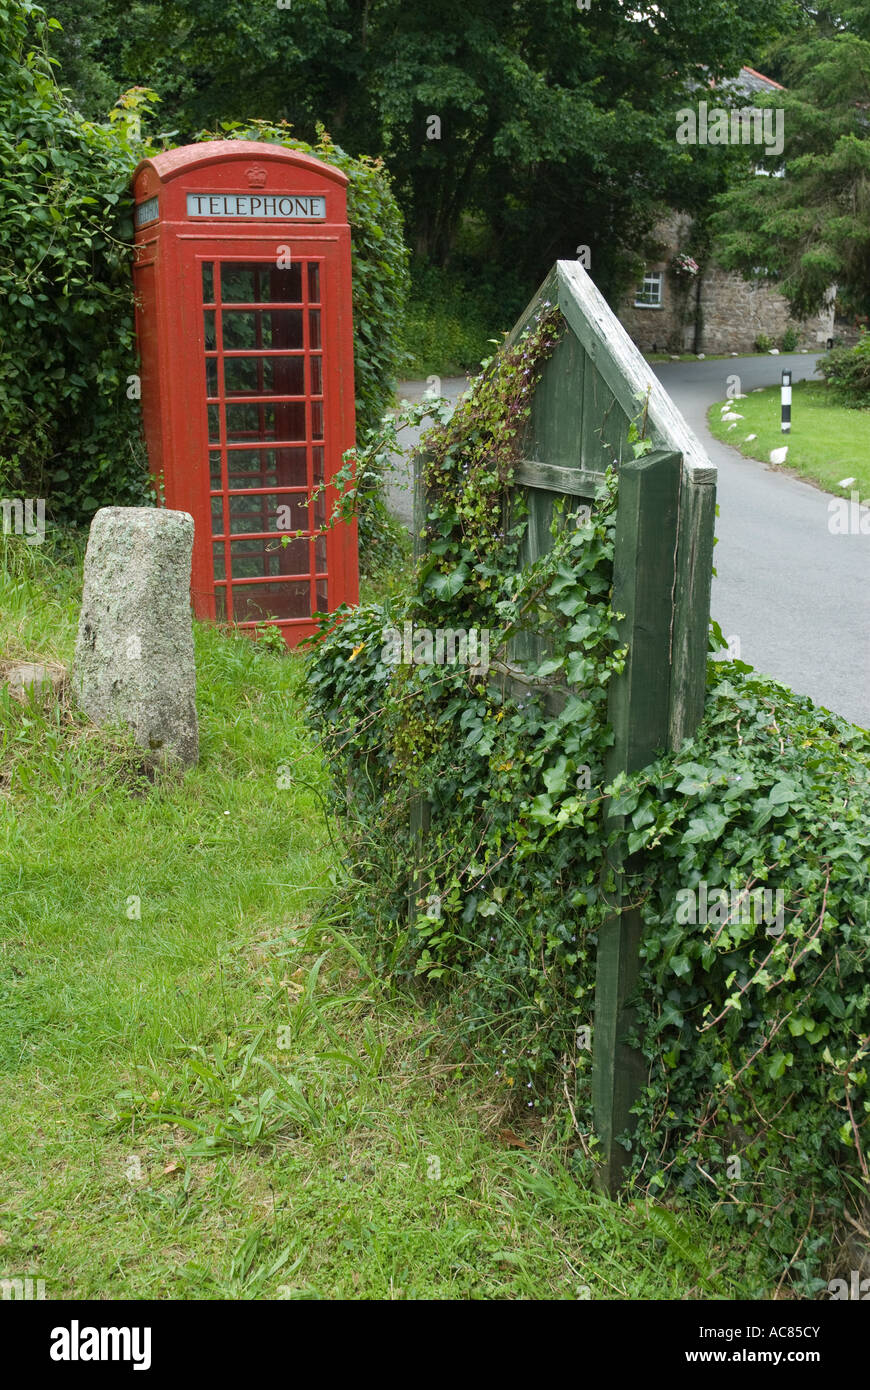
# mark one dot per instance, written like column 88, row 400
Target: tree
column 811, row 228
column 550, row 123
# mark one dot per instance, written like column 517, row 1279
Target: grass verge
column 205, row 1090
column 827, row 442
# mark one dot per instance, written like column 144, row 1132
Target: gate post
column 644, row 569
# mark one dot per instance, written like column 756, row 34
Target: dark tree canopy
column 556, row 122
column 811, row 228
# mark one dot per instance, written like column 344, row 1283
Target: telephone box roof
column 188, row 157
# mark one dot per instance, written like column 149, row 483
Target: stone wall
column 734, row 311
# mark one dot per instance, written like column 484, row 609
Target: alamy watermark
column 848, row 516
column 443, row 646
column 22, row 1290
column 746, row 125
column 857, row 1289
column 732, row 904
column 24, row 516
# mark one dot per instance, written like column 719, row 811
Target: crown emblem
column 256, row 175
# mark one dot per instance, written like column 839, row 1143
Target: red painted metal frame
column 170, row 251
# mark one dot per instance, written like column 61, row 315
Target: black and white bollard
column 786, row 402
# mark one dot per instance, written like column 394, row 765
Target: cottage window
column 649, row 294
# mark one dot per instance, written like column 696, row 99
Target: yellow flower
column 356, row 651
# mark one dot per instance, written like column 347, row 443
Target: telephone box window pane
column 220, row 605
column 214, row 424
column 278, row 420
column 218, row 551
column 250, row 559
column 292, row 512
column 319, row 511
column 214, row 468
column 266, row 468
column 314, row 283
column 264, row 376
column 249, row 513
column 317, row 456
column 322, row 599
column 320, row 554
column 317, row 376
column 209, row 330
column 292, row 558
column 268, row 511
column 217, row 516
column 317, row 419
column 262, row 328
column 250, row 566
column 263, row 283
column 314, row 329
column 211, row 376
column 256, row 602
column 208, row 283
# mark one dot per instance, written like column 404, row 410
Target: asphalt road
column 795, row 596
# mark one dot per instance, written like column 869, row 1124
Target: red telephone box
column 243, row 316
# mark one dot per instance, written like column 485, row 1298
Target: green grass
column 694, row 357
column 205, row 1092
column 827, row 442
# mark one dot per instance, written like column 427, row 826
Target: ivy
column 756, row 1022
column 753, row 1002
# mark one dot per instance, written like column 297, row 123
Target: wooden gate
column 591, row 389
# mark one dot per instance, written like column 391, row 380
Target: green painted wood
column 420, row 508
column 638, row 708
column 420, row 809
column 529, row 646
column 692, row 607
column 553, row 431
column 595, row 383
column 549, row 477
column 605, row 424
column 421, row 813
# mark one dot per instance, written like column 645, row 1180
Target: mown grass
column 205, row 1092
column 827, row 442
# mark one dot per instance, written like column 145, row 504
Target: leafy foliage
column 69, row 433
column 810, row 229
column 546, row 133
column 847, row 370
column 514, row 780
column 756, row 1023
column 756, row 1031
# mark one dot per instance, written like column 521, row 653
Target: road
column 796, row 597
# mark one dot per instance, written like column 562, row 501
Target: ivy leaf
column 777, row 1064
column 709, row 826
column 447, row 586
column 782, row 794
column 555, row 778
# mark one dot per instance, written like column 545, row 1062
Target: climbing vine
column 475, row 802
